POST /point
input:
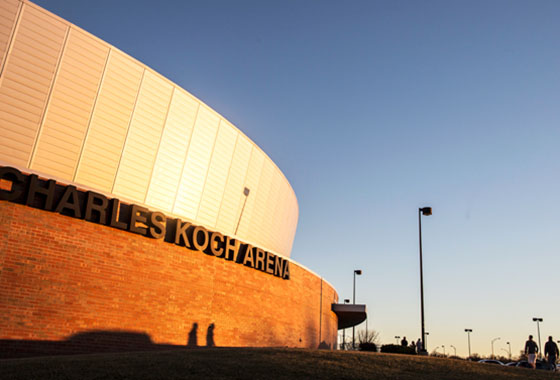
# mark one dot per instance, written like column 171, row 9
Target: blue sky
column 373, row 109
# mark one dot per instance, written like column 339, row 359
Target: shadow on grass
column 97, row 341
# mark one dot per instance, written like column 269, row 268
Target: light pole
column 454, row 350
column 443, row 347
column 356, row 272
column 509, row 349
column 246, row 192
column 535, row 319
column 344, row 330
column 426, row 211
column 493, row 340
column 397, row 339
column 426, row 333
column 469, row 331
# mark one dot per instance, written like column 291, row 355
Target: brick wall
column 61, row 276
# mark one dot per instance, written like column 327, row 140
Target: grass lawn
column 256, row 363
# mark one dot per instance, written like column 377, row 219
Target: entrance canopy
column 349, row 315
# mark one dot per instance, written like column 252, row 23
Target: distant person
column 531, row 350
column 551, row 353
column 413, row 345
column 419, row 347
column 404, row 342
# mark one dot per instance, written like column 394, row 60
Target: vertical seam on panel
column 208, row 169
column 264, row 221
column 244, row 185
column 185, row 159
column 159, row 144
column 261, row 193
column 238, row 212
column 48, row 101
column 275, row 205
column 258, row 186
column 13, row 33
column 227, row 179
column 93, row 107
column 128, row 130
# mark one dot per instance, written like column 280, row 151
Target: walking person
column 404, row 342
column 418, row 346
column 531, row 350
column 551, row 353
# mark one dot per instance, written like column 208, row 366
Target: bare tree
column 371, row 336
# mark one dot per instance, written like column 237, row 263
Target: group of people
column 550, row 352
column 415, row 346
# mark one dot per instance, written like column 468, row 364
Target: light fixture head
column 426, row 211
column 358, row 271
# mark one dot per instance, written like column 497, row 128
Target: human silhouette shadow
column 193, row 340
column 210, row 336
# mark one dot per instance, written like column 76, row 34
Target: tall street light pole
column 469, row 331
column 426, row 211
column 535, row 319
column 356, row 272
column 509, row 349
column 397, row 339
column 493, row 340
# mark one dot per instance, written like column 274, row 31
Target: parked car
column 539, row 364
column 491, row 361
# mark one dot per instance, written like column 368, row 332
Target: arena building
column 132, row 215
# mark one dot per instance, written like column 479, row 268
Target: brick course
column 61, row 276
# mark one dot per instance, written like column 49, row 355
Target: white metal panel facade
column 197, row 163
column 172, row 150
column 232, row 201
column 252, row 180
column 78, row 109
column 8, row 14
column 62, row 133
column 216, row 178
column 26, row 81
column 109, row 124
column 142, row 141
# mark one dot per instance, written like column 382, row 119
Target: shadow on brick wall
column 96, row 341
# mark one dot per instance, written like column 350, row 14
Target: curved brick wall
column 61, row 276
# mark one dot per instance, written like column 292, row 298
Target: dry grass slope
column 256, row 363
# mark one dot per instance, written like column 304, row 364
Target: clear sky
column 373, row 109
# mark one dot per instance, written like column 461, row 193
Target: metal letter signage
column 46, row 194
